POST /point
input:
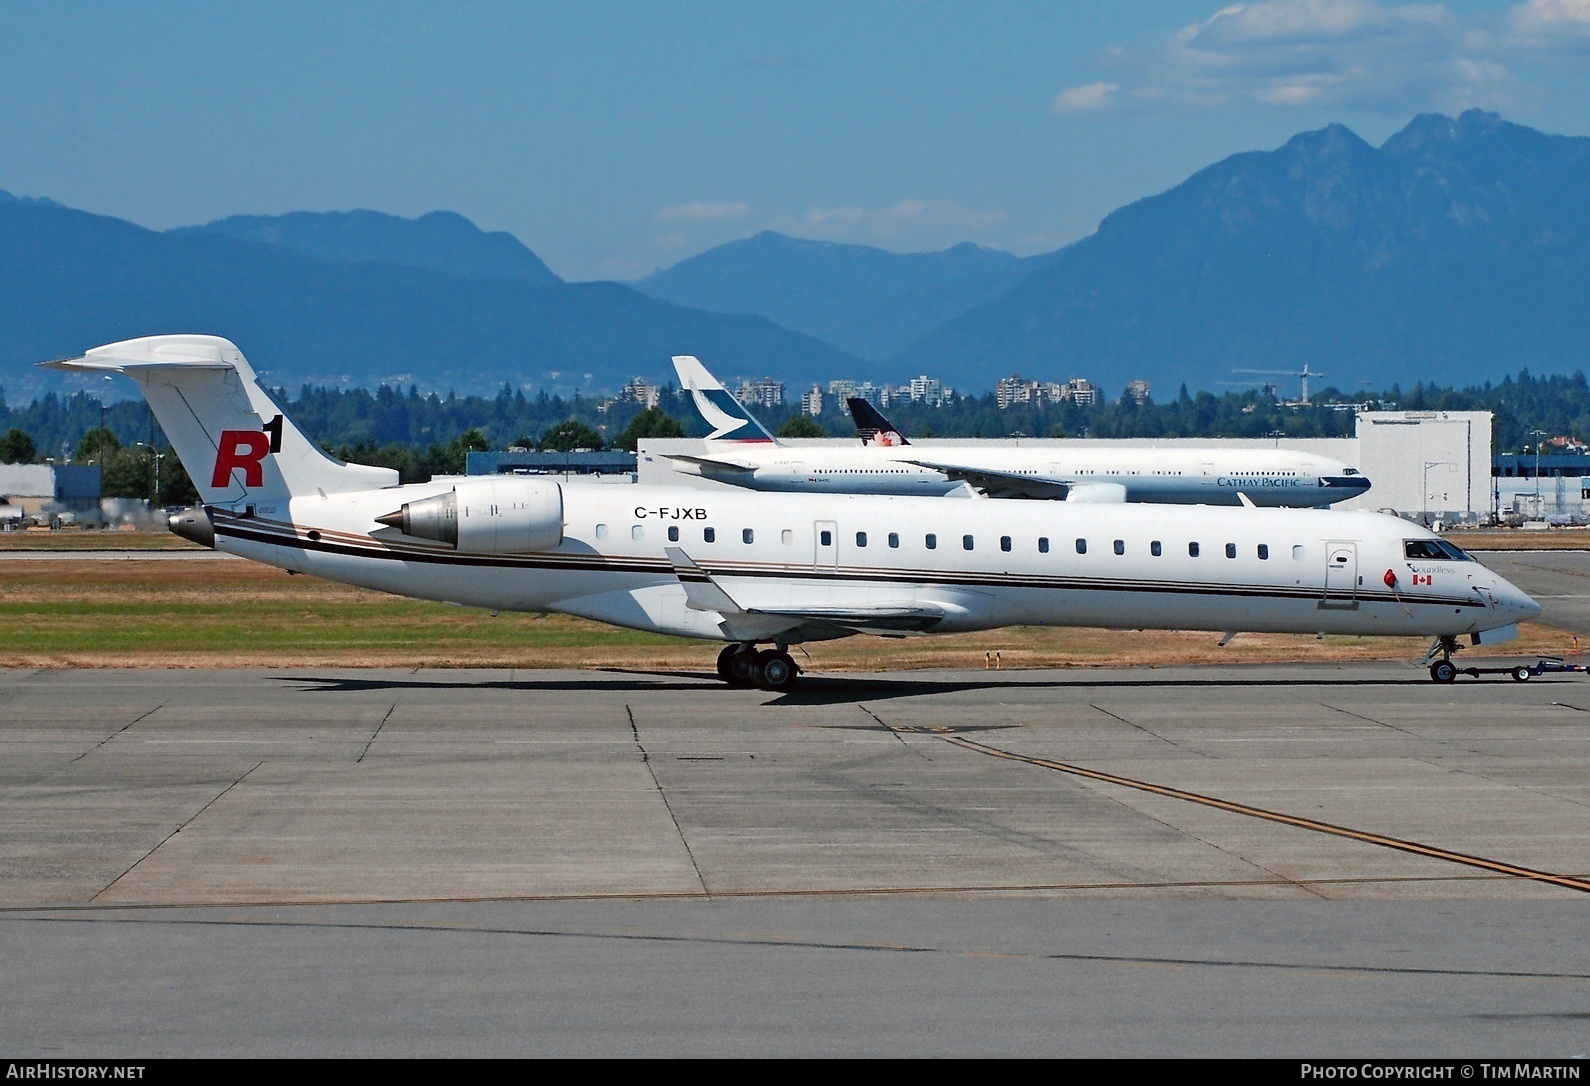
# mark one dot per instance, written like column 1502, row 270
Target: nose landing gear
column 1445, row 671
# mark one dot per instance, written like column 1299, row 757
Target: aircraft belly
column 1149, row 606
column 658, row 608
column 1200, row 491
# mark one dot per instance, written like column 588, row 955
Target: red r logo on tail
column 244, row 449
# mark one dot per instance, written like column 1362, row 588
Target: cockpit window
column 1349, row 471
column 1438, row 550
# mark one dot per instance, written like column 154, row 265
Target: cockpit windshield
column 1438, row 550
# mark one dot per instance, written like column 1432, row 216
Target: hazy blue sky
column 614, row 138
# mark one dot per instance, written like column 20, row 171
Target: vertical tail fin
column 871, row 426
column 230, row 435
column 729, row 419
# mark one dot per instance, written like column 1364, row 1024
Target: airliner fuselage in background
column 740, row 452
column 752, row 569
column 1274, row 477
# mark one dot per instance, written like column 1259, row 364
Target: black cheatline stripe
column 285, row 536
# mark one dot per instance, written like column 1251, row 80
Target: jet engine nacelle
column 1096, row 493
column 491, row 516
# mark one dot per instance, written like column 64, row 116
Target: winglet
column 729, row 419
column 702, row 593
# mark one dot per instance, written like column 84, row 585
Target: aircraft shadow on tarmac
column 829, row 689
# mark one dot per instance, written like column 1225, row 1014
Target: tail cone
column 193, row 525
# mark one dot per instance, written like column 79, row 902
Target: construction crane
column 1305, row 373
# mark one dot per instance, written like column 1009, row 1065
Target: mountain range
column 1455, row 252
column 869, row 302
column 353, row 299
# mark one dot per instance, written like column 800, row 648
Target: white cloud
column 910, row 224
column 1550, row 24
column 1356, row 54
column 1088, row 98
column 704, row 211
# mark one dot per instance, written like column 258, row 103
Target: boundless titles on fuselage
column 741, row 452
column 749, row 569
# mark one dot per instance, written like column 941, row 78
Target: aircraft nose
column 1515, row 601
column 1355, row 484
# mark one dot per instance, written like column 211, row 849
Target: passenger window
column 673, row 533
column 966, row 542
column 1043, row 544
column 1192, row 550
column 826, row 538
column 1004, row 542
column 932, row 541
column 1231, row 550
column 861, row 539
column 894, row 540
column 1264, row 551
column 709, row 535
column 601, row 531
column 637, row 531
column 1297, row 552
column 786, row 537
column 1082, row 546
column 747, row 536
column 1153, row 548
column 1120, row 546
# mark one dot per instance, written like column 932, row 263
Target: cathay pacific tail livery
column 752, row 569
column 742, row 453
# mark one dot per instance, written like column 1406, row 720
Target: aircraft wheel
column 778, row 670
column 1522, row 674
column 738, row 666
column 1443, row 671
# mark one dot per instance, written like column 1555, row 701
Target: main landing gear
column 770, row 669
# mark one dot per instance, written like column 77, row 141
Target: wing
column 1010, row 484
column 821, row 620
column 723, row 462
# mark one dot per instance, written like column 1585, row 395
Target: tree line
column 426, row 435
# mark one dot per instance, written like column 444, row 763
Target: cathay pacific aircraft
column 756, row 570
column 742, row 453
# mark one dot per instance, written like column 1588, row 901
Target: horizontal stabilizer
column 236, row 443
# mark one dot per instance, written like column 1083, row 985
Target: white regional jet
column 752, row 569
column 742, row 453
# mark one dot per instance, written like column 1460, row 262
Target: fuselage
column 1266, row 477
column 736, row 566
column 973, row 565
